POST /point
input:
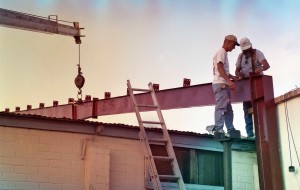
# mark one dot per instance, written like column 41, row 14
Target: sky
column 159, row 41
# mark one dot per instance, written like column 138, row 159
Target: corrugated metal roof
column 14, row 114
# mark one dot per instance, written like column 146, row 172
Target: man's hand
column 236, row 78
column 231, row 85
column 239, row 74
column 259, row 70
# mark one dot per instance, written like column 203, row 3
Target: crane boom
column 24, row 21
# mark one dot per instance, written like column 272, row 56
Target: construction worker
column 249, row 61
column 222, row 85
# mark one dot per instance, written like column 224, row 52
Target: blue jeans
column 248, row 118
column 223, row 109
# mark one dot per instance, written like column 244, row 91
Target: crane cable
column 79, row 81
column 289, row 131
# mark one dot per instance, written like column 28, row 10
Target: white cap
column 245, row 43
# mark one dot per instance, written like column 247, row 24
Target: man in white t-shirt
column 250, row 61
column 222, row 85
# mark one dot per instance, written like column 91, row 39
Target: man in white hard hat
column 250, row 61
column 222, row 85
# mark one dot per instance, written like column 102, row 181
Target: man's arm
column 265, row 66
column 224, row 75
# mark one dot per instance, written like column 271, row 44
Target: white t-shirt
column 221, row 56
column 245, row 63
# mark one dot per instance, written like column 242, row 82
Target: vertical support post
column 95, row 108
column 227, row 164
column 74, row 111
column 267, row 145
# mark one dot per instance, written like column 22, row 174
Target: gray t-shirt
column 245, row 63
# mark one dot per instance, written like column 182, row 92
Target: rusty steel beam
column 176, row 98
column 266, row 131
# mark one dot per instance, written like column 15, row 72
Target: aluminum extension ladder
column 165, row 140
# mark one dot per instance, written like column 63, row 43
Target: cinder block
column 11, row 130
column 8, row 137
column 14, row 161
column 50, row 171
column 26, row 154
column 7, row 185
column 78, row 180
column 100, row 187
column 40, row 147
column 73, row 187
column 60, row 164
column 14, row 177
column 62, row 149
column 27, row 139
column 240, row 186
column 38, row 178
column 50, row 186
column 72, row 172
column 243, row 179
column 27, row 186
column 61, row 179
column 38, row 162
column 14, row 145
column 8, row 153
column 26, row 170
column 50, row 140
column 7, row 169
column 39, row 133
column 49, row 155
column 249, row 186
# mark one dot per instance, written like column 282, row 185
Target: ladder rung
column 169, row 177
column 163, row 158
column 163, row 141
column 141, row 90
column 152, row 122
column 147, row 106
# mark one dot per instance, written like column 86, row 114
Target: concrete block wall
column 244, row 171
column 47, row 160
column 35, row 159
column 289, row 140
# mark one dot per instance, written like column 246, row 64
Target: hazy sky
column 160, row 41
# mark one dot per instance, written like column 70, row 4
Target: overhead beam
column 176, row 98
column 24, row 21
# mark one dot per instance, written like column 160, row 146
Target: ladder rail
column 166, row 135
column 143, row 137
column 166, row 141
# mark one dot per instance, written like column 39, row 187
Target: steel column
column 227, row 164
column 267, row 145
